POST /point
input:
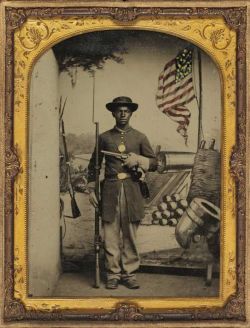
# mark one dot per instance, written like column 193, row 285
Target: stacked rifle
column 170, row 210
column 75, row 210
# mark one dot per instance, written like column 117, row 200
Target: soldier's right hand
column 93, row 199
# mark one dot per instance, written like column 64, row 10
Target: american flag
column 175, row 90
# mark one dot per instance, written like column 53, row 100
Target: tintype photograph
column 134, row 165
column 125, row 163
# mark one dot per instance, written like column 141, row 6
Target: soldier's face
column 122, row 115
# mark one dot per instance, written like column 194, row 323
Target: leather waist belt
column 118, row 176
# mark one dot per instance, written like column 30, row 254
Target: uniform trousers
column 121, row 253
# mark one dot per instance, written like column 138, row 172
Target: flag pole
column 200, row 98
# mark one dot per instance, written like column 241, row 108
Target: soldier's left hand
column 132, row 160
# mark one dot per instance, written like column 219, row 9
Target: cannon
column 174, row 160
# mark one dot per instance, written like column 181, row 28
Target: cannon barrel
column 174, row 160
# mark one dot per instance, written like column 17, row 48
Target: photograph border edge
column 235, row 308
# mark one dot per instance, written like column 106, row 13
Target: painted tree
column 90, row 51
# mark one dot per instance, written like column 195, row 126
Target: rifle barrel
column 97, row 168
column 97, row 192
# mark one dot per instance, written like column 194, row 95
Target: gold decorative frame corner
column 221, row 32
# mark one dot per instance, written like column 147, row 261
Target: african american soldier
column 122, row 203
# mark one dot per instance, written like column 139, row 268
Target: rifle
column 97, row 237
column 97, row 241
column 75, row 210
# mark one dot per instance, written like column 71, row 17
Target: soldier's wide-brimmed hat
column 122, row 101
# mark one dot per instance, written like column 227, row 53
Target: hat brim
column 112, row 106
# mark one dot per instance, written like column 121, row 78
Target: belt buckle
column 122, row 176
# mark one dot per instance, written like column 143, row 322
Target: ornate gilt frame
column 221, row 32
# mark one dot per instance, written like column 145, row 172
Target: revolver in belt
column 134, row 173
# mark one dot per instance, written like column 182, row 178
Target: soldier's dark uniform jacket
column 135, row 142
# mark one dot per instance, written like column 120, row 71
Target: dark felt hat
column 122, row 101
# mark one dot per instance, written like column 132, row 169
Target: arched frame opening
column 212, row 36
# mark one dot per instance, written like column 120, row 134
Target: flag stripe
column 173, row 86
column 177, row 101
column 171, row 68
column 181, row 104
column 167, row 67
column 176, row 98
column 163, row 96
column 176, row 113
column 180, row 116
column 167, row 85
column 182, row 121
column 168, row 75
column 163, row 99
column 166, row 94
column 179, row 119
column 169, row 64
column 179, row 109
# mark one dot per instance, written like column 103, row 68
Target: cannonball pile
column 170, row 210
